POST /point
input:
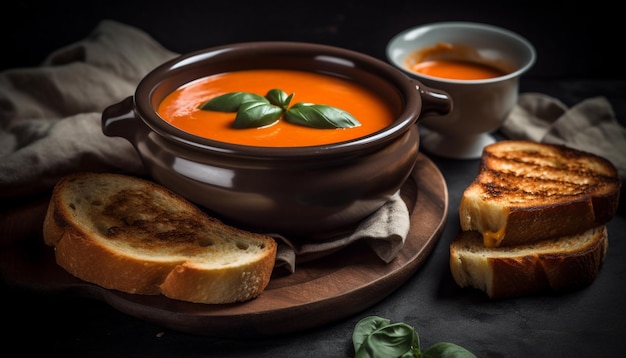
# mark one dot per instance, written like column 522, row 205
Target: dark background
column 572, row 39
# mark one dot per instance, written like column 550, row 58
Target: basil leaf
column 447, row 350
column 279, row 98
column 365, row 327
column 392, row 340
column 256, row 114
column 320, row 116
column 375, row 337
column 230, row 102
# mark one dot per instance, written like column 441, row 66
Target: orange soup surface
column 455, row 69
column 181, row 107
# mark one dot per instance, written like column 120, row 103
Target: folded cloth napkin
column 385, row 231
column 50, row 126
column 589, row 126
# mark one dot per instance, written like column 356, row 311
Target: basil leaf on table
column 320, row 116
column 375, row 337
column 378, row 337
column 230, row 102
column 365, row 327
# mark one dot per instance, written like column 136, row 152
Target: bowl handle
column 119, row 120
column 434, row 101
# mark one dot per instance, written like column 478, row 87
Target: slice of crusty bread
column 560, row 264
column 132, row 235
column 527, row 191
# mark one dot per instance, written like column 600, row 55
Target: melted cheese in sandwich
column 493, row 238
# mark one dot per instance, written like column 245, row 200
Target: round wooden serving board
column 319, row 292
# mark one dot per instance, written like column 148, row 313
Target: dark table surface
column 588, row 322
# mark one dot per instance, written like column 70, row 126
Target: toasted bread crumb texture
column 133, row 235
column 527, row 191
column 564, row 263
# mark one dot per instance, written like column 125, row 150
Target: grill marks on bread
column 146, row 220
column 522, row 175
column 139, row 215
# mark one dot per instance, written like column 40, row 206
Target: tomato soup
column 181, row 107
column 453, row 69
column 455, row 61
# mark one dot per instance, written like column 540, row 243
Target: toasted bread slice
column 560, row 264
column 132, row 235
column 527, row 191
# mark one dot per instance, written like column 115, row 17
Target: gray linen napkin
column 385, row 232
column 50, row 115
column 50, row 126
column 589, row 126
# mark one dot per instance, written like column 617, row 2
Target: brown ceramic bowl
column 307, row 192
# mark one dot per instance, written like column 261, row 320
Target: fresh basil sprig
column 254, row 110
column 375, row 337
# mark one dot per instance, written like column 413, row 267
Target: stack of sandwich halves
column 534, row 220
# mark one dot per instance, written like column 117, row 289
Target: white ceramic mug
column 480, row 106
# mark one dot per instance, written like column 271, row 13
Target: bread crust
column 562, row 264
column 533, row 191
column 171, row 248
